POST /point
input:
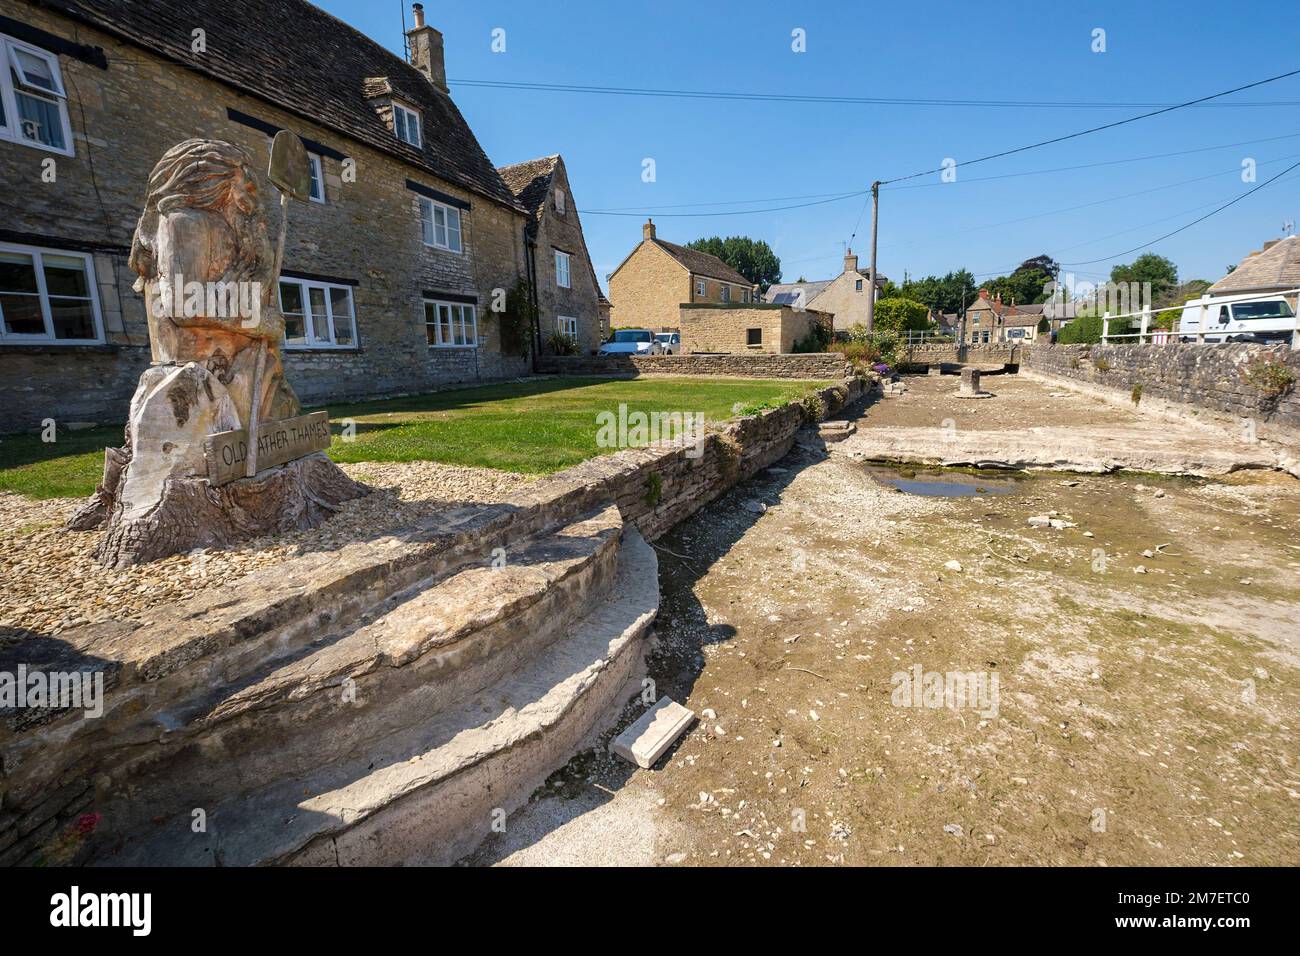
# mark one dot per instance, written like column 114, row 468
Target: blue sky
column 711, row 151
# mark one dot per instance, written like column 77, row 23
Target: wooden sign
column 277, row 442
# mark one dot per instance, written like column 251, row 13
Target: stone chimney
column 648, row 230
column 850, row 261
column 425, row 44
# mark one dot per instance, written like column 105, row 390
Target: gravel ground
column 52, row 583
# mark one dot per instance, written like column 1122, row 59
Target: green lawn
column 533, row 427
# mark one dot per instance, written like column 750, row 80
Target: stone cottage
column 389, row 272
column 657, row 277
column 1273, row 268
column 845, row 296
column 567, row 295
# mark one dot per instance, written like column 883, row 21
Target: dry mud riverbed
column 1146, row 708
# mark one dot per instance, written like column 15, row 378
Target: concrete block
column 653, row 733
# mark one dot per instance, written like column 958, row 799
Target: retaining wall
column 1208, row 382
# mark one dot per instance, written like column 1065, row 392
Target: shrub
column 517, row 320
column 813, row 407
column 1102, row 365
column 1087, row 329
column 654, row 488
column 1272, row 378
column 900, row 315
column 818, row 339
column 1136, row 394
column 561, row 343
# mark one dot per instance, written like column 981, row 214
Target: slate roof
column 305, row 61
column 701, row 263
column 1276, row 266
column 530, row 182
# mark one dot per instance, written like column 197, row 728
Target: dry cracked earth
column 1146, row 655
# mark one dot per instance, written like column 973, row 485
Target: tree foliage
column 943, row 294
column 752, row 258
column 1149, row 267
column 900, row 315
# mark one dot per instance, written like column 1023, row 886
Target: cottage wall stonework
column 563, row 232
column 727, row 330
column 648, row 289
column 366, row 235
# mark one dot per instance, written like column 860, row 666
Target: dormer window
column 33, row 103
column 406, row 124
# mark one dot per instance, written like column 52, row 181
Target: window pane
column 22, row 314
column 453, row 229
column 65, row 275
column 430, row 322
column 36, row 72
column 320, row 320
column 39, row 120
column 290, row 297
column 444, row 325
column 17, row 274
column 471, row 331
column 317, row 186
column 73, row 318
column 426, row 221
column 440, row 225
column 341, row 306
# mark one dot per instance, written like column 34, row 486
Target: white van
column 1238, row 318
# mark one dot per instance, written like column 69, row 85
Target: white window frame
column 47, row 337
column 563, row 258
column 407, row 120
column 468, row 331
column 318, row 177
column 308, row 318
column 11, row 129
column 701, row 288
column 567, row 325
column 561, row 203
column 429, row 209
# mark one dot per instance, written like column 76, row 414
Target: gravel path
column 52, row 583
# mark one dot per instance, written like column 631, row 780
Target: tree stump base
column 192, row 514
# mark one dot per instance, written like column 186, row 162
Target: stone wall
column 1208, row 381
column 725, row 329
column 994, row 353
column 657, row 487
column 810, row 366
column 366, row 235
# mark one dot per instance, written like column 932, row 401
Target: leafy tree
column 1148, row 267
column 900, row 315
column 1024, row 286
column 752, row 258
column 943, row 294
column 1043, row 263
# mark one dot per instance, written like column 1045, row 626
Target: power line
column 1096, row 129
column 1189, row 225
column 816, row 98
column 729, row 212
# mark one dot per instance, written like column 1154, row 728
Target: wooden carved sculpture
column 208, row 274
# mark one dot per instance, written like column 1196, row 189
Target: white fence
column 1146, row 334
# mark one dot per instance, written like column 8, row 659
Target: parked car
column 670, row 342
column 632, row 342
column 1237, row 318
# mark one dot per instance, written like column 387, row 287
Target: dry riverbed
column 1147, row 658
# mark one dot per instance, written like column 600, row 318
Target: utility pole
column 875, row 221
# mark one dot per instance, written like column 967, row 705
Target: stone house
column 989, row 319
column 657, row 277
column 564, row 282
column 718, row 329
column 1274, row 268
column 845, row 296
column 389, row 273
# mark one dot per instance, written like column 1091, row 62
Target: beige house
column 989, row 319
column 651, row 284
column 845, row 296
column 564, row 282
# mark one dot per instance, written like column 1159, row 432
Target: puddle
column 942, row 484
